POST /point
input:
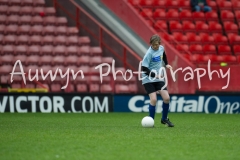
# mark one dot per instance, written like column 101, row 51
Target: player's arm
column 147, row 71
column 166, row 61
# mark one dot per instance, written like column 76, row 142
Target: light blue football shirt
column 153, row 60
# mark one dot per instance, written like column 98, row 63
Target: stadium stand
column 33, row 33
column 218, row 31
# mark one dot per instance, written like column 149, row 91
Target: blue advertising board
column 180, row 103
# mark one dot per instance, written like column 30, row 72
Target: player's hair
column 155, row 38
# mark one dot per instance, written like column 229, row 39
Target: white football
column 147, row 122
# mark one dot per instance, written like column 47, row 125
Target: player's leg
column 151, row 90
column 165, row 108
column 152, row 105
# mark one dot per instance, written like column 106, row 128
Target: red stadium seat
column 199, row 58
column 3, row 9
column 168, row 37
column 82, row 88
column 237, row 15
column 50, row 20
column 45, row 60
column 188, row 26
column 21, row 49
column 236, row 49
column 2, row 29
column 72, row 40
column 175, row 26
column 72, row 31
column 134, row 2
column 171, row 4
column 49, row 30
column 224, row 49
column 159, row 14
column 184, row 4
column 36, row 30
column 172, row 14
column 83, row 60
column 13, row 10
column 227, row 16
column 84, row 40
column 32, row 60
column 55, row 87
column 25, row 20
column 160, row 25
column 24, row 29
column 106, row 88
column 61, row 21
column 230, row 27
column 58, row 60
column 146, row 3
column 216, row 59
column 60, row 40
column 206, row 38
column 5, row 69
column 37, row 20
column 185, row 15
column 215, row 27
column 94, row 88
column 198, row 16
column 61, row 30
column 95, row 61
column 236, row 4
column 182, row 48
column 48, row 40
column 11, row 29
column 193, row 38
column 211, row 16
column 3, row 19
column 59, row 50
column 224, row 5
column 9, row 40
column 196, row 49
column 6, row 59
column 220, row 39
column 34, row 49
column 202, row 27
column 146, row 13
column 72, row 50
column 40, row 3
column 46, row 50
column 12, row 19
column 26, row 10
column 180, row 38
column 96, row 51
column 233, row 39
column 70, row 88
column 121, row 88
column 229, row 59
column 107, row 60
column 84, row 50
column 71, row 60
column 35, row 40
column 209, row 49
column 49, row 11
column 213, row 5
column 159, row 4
column 8, row 49
column 37, row 10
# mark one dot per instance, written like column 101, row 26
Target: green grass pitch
column 120, row 136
